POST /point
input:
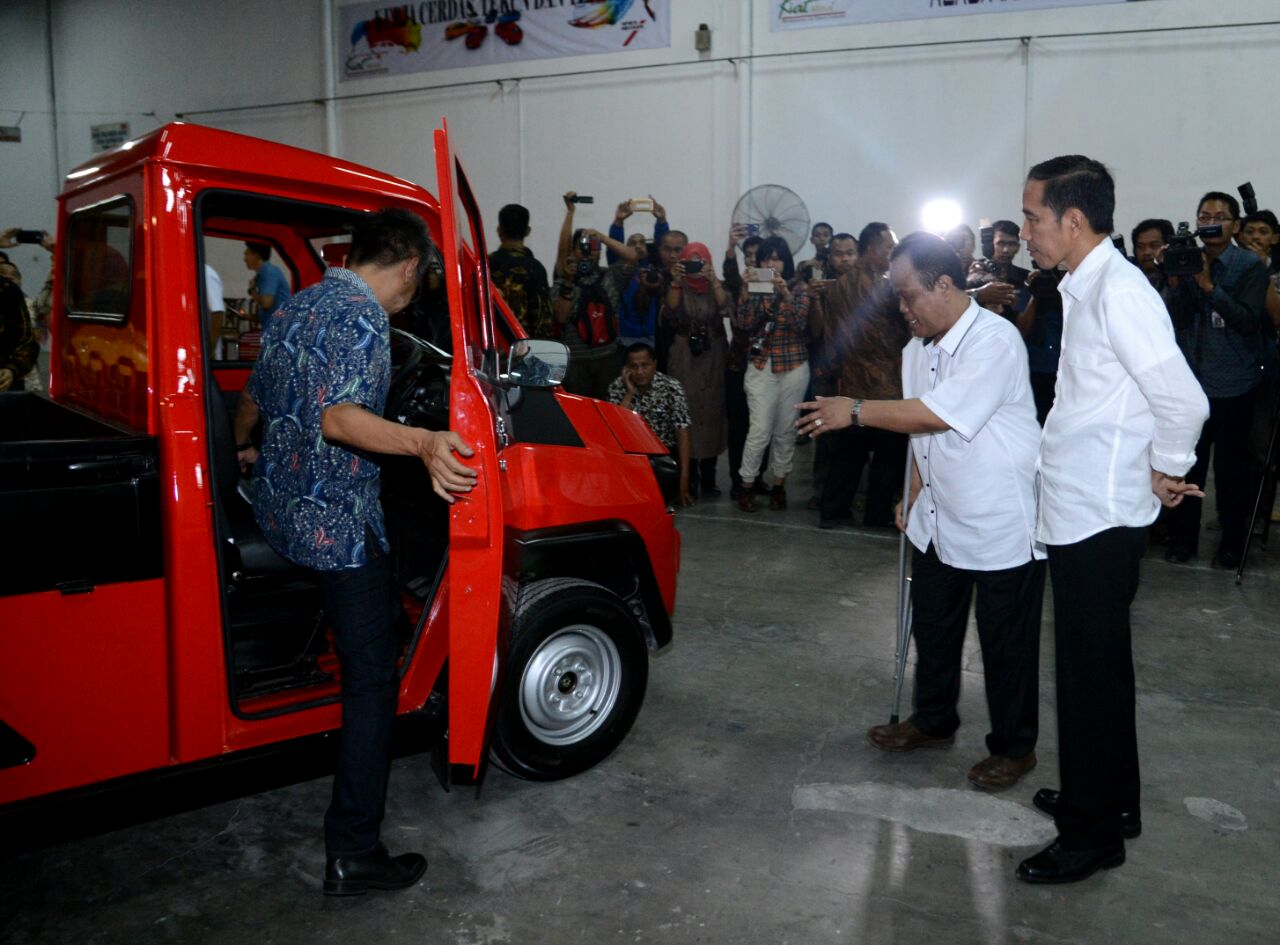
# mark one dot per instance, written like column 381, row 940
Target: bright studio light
column 939, row 216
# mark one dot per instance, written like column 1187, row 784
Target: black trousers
column 362, row 608
column 1008, row 616
column 850, row 450
column 1226, row 435
column 1094, row 582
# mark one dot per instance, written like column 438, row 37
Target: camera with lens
column 692, row 266
column 1043, row 284
column 650, row 278
column 588, row 248
column 699, row 340
column 1183, row 257
column 757, row 341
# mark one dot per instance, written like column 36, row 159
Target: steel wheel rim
column 570, row 685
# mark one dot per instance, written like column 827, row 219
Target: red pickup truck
column 144, row 622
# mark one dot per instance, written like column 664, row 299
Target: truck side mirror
column 536, row 362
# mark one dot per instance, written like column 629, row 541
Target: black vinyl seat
column 256, row 558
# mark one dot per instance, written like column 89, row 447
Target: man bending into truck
column 319, row 388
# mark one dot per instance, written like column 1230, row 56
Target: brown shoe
column 778, row 499
column 995, row 773
column 746, row 501
column 904, row 736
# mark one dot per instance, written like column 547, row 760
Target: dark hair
column 931, row 257
column 844, row 236
column 870, row 233
column 814, row 229
column 387, row 237
column 638, row 346
column 777, row 246
column 1154, row 223
column 1009, row 227
column 961, row 231
column 1264, row 216
column 262, row 249
column 513, row 221
column 680, row 233
column 1232, row 203
column 751, row 241
column 1074, row 180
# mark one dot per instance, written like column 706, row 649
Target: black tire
column 575, row 680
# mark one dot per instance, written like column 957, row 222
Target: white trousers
column 771, row 400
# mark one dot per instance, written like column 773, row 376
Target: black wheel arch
column 609, row 553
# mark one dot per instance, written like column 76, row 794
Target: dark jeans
column 1225, row 434
column 361, row 606
column 1094, row 582
column 850, row 449
column 1008, row 616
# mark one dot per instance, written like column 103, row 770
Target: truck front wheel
column 575, row 680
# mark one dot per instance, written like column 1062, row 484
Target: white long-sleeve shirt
column 1126, row 403
column 977, row 499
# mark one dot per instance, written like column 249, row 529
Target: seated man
column 660, row 400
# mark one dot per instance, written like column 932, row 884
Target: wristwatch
column 857, row 411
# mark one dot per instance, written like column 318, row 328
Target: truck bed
column 79, row 499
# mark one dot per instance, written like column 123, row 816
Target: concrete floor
column 746, row 806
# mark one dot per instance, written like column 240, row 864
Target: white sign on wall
column 379, row 38
column 802, row 14
column 106, row 137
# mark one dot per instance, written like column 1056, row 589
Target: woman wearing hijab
column 777, row 329
column 696, row 306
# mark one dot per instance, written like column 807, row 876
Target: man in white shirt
column 971, row 512
column 1121, row 434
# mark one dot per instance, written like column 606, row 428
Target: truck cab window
column 99, row 269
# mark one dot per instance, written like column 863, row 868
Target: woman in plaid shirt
column 777, row 328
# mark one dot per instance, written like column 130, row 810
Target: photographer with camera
column 1260, row 234
column 776, row 324
column 585, row 302
column 624, row 211
column 1000, row 244
column 1150, row 237
column 1041, row 325
column 1216, row 297
column 695, row 308
column 820, row 236
column 996, row 283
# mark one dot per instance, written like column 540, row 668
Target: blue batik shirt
column 317, row 501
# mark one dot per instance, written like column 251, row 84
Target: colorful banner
column 376, row 39
column 802, row 14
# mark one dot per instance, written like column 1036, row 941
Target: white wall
column 903, row 115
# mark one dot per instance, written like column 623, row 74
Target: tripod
column 1266, row 495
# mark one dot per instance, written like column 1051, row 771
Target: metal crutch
column 904, row 596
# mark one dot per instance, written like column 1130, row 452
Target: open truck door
column 479, row 608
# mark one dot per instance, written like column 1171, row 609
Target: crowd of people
column 743, row 346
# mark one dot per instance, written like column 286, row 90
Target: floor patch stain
column 1220, row 815
column 948, row 811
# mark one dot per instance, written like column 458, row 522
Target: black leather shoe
column 356, row 875
column 1053, row 864
column 1227, row 558
column 1179, row 555
column 1047, row 800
